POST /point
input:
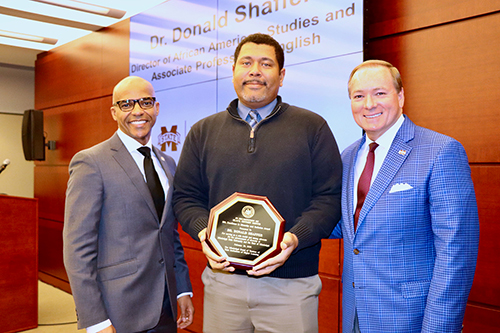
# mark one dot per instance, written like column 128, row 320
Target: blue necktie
column 253, row 118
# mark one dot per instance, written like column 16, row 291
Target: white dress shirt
column 384, row 143
column 132, row 145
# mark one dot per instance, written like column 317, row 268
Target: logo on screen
column 170, row 139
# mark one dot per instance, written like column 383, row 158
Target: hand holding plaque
column 246, row 229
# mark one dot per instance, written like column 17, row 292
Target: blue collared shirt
column 263, row 111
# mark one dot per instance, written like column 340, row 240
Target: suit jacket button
column 161, row 261
column 356, row 251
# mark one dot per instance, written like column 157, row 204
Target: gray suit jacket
column 116, row 252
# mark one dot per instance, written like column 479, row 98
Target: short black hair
column 259, row 38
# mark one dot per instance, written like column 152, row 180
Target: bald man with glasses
column 122, row 252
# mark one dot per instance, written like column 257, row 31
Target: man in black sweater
column 262, row 146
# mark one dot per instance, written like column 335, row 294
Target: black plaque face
column 246, row 229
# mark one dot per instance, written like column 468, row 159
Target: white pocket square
column 398, row 187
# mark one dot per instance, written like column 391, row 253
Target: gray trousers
column 240, row 303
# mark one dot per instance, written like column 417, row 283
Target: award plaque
column 246, row 229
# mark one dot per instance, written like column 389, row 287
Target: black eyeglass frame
column 135, row 101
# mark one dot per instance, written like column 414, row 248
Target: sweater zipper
column 251, row 141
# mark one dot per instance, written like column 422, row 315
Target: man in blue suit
column 410, row 248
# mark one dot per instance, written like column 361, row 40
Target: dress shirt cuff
column 98, row 327
column 184, row 294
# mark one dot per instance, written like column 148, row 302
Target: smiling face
column 375, row 103
column 138, row 122
column 256, row 75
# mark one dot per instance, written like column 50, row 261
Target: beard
column 252, row 98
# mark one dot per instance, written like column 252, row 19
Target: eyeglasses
column 128, row 105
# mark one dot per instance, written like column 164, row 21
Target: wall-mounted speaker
column 33, row 135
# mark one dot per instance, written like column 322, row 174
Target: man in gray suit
column 122, row 252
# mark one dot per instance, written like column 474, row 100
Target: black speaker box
column 33, row 135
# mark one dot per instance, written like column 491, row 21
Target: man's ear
column 113, row 112
column 401, row 98
column 282, row 76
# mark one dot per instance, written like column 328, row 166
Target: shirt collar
column 263, row 111
column 132, row 144
column 385, row 140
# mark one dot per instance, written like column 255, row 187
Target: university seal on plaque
column 246, row 229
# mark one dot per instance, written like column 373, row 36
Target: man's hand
column 187, row 312
column 109, row 329
column 215, row 261
column 289, row 243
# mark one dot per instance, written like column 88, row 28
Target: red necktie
column 364, row 181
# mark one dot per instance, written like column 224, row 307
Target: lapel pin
column 402, row 152
column 163, row 159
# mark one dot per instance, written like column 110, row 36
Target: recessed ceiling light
column 31, row 38
column 85, row 7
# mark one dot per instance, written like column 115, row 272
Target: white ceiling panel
column 33, row 18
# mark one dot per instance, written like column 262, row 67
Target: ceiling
column 29, row 27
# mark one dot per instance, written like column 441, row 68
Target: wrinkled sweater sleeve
column 190, row 200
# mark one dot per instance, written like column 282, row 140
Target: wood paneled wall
column 447, row 53
column 18, row 264
column 73, row 86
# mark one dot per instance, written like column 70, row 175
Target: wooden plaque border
column 251, row 199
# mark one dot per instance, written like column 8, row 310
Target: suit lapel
column 396, row 156
column 350, row 186
column 164, row 165
column 123, row 158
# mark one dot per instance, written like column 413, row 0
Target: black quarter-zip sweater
column 291, row 157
